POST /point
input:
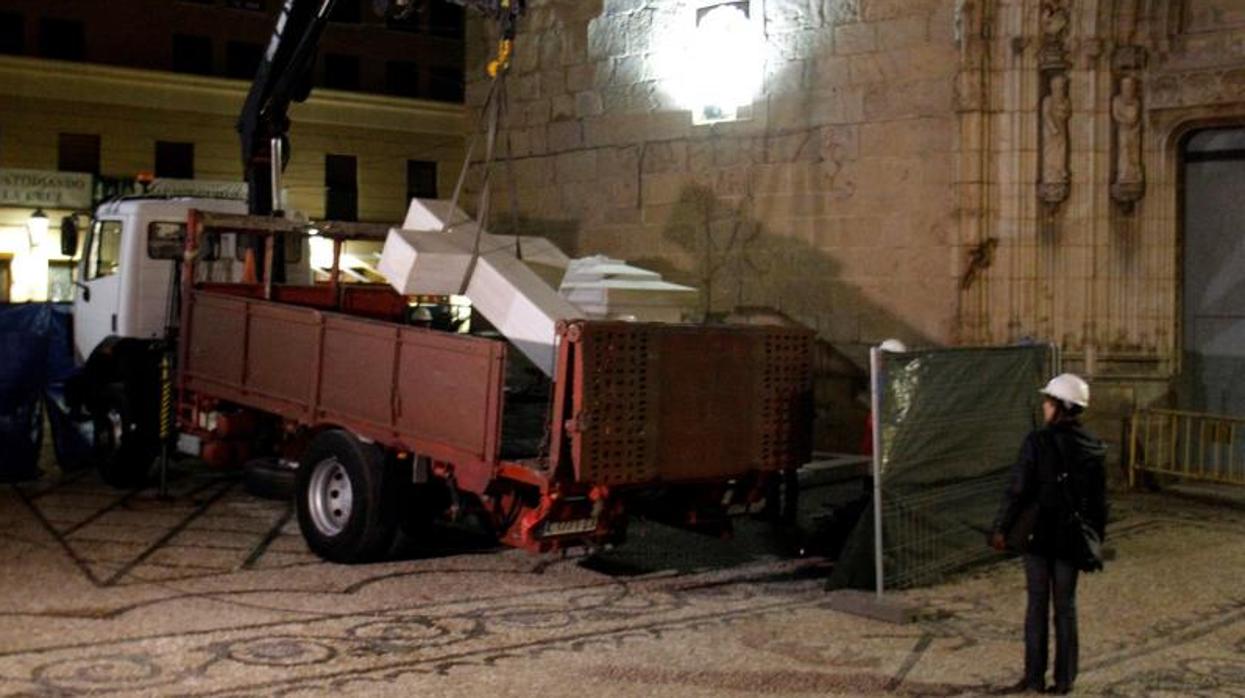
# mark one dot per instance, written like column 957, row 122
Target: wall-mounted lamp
column 37, row 228
column 716, row 62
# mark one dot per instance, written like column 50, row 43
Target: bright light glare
column 720, row 66
column 321, row 252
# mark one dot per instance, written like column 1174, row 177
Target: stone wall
column 1094, row 267
column 834, row 202
column 943, row 171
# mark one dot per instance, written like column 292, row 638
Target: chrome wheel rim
column 330, row 497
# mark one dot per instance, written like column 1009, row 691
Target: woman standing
column 1060, row 471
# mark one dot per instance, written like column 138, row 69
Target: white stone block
column 610, row 288
column 426, row 258
column 423, row 262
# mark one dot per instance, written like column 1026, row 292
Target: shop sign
column 44, row 189
column 198, row 188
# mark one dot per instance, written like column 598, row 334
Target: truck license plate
column 569, row 528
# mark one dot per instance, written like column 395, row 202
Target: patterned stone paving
column 212, row 592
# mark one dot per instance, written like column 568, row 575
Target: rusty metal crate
column 685, row 403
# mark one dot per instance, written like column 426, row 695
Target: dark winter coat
column 1035, row 478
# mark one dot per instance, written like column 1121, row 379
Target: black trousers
column 1050, row 579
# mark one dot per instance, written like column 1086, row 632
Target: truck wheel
column 347, row 498
column 121, row 453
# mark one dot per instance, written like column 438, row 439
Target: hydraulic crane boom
column 285, row 76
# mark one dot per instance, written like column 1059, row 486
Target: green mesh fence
column 952, row 422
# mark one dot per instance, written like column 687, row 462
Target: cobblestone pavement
column 213, row 593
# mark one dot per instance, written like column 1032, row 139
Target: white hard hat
column 1070, row 388
column 893, row 345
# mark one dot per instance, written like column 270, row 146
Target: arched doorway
column 1213, row 272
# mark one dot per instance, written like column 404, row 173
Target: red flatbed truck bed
column 399, row 424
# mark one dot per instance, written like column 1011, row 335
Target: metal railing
column 1188, row 445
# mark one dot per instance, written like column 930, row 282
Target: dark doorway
column 1213, row 375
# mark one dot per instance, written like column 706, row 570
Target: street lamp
column 37, row 228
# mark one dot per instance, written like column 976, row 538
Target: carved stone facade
column 1099, row 275
column 944, row 171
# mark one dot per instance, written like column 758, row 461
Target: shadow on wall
column 736, row 261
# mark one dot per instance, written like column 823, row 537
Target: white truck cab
column 125, row 274
column 122, row 307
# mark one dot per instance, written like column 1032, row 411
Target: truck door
column 96, row 300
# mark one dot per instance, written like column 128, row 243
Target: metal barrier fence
column 948, row 426
column 1188, row 445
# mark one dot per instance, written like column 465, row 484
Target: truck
column 201, row 326
column 395, row 425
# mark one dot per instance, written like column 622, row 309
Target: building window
column 62, row 39
column 176, row 160
column 402, row 78
column 346, row 11
column 77, row 152
column 341, row 72
column 12, row 33
column 445, row 19
column 445, row 84
column 421, row 179
column 60, row 280
column 341, row 186
column 242, row 59
column 192, row 54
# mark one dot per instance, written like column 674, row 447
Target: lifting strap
column 494, row 112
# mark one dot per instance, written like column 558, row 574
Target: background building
column 115, row 89
column 941, row 171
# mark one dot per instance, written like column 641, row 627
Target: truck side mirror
column 69, row 236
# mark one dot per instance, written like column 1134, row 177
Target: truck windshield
column 104, row 249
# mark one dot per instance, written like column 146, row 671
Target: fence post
column 1132, row 452
column 875, row 390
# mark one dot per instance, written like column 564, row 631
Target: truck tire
column 346, row 498
column 120, row 449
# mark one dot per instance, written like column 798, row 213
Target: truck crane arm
column 285, row 76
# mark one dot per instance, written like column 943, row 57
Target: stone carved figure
column 962, row 7
column 1056, row 110
column 1126, row 113
column 1055, row 23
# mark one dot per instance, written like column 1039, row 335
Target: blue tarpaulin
column 36, row 358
